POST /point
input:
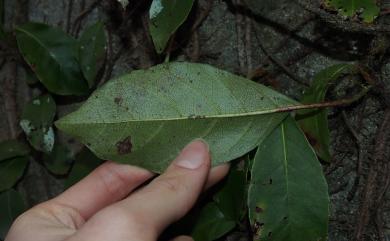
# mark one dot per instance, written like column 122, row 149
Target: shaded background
column 252, row 38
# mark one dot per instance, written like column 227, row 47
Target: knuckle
column 172, row 184
column 112, row 181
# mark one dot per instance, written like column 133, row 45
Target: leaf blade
column 314, row 122
column 12, row 148
column 367, row 9
column 37, row 120
column 11, row 206
column 166, row 16
column 92, row 45
column 169, row 105
column 283, row 203
column 53, row 56
column 11, row 171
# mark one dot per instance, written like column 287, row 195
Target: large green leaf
column 53, row 56
column 36, row 121
column 59, row 160
column 91, row 50
column 10, row 171
column 12, row 148
column 146, row 117
column 314, row 122
column 211, row 224
column 11, row 206
column 85, row 162
column 288, row 195
column 166, row 16
column 366, row 9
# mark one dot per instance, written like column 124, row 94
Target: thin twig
column 240, row 42
column 248, row 44
column 361, row 156
column 369, row 197
column 285, row 69
column 82, row 15
column 10, row 100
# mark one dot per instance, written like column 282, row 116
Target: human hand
column 99, row 207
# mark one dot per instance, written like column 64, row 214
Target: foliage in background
column 365, row 9
column 166, row 16
column 314, row 122
column 12, row 205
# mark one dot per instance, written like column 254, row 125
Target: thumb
column 170, row 196
column 183, row 238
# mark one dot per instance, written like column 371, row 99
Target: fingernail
column 193, row 155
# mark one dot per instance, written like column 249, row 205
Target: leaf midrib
column 203, row 117
column 42, row 44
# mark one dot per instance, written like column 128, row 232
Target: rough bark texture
column 233, row 37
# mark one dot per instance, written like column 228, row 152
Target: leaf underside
column 288, row 195
column 146, row 117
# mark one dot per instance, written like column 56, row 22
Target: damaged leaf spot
column 258, row 209
column 118, row 100
column 124, row 147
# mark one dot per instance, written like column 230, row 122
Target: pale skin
column 109, row 205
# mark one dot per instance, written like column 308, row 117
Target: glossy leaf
column 166, row 16
column 314, row 122
column 59, row 160
column 36, row 122
column 146, row 117
column 53, row 56
column 85, row 162
column 288, row 195
column 10, row 171
column 230, row 199
column 91, row 51
column 368, row 10
column 11, row 206
column 13, row 148
column 211, row 224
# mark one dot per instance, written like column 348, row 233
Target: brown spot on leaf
column 124, row 146
column 258, row 209
column 312, row 140
column 118, row 100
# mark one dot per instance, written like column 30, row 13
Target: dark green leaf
column 85, row 162
column 91, row 51
column 11, row 206
column 166, row 16
column 211, row 224
column 53, row 56
column 59, row 160
column 314, row 122
column 36, row 121
column 12, row 148
column 368, row 10
column 10, row 171
column 288, row 195
column 146, row 117
column 231, row 198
